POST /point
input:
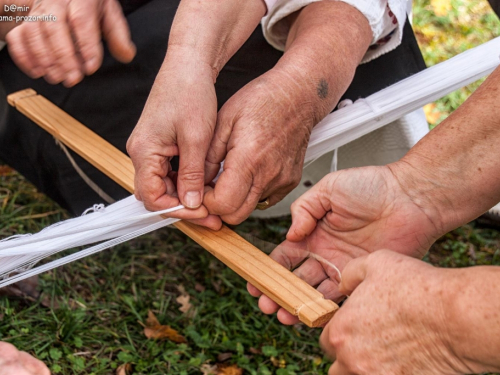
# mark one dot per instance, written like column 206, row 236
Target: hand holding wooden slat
column 281, row 285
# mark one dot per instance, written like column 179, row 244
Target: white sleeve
column 386, row 19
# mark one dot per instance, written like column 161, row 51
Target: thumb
column 308, row 209
column 116, row 32
column 353, row 274
column 190, row 178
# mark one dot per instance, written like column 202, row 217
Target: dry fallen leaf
column 208, row 369
column 5, row 170
column 154, row 330
column 254, row 351
column 221, row 357
column 229, row 370
column 124, row 369
column 199, row 288
column 183, row 300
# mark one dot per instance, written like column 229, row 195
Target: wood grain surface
column 281, row 285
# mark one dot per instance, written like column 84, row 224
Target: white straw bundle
column 366, row 115
column 128, row 218
column 113, row 224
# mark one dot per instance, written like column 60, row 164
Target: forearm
column 326, row 42
column 453, row 173
column 210, row 32
column 471, row 316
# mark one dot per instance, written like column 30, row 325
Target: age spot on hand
column 322, row 88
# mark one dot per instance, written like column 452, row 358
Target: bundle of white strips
column 127, row 219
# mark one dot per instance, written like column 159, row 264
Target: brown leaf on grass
column 183, row 300
column 221, row 357
column 5, row 170
column 208, row 369
column 156, row 331
column 125, row 369
column 199, row 288
column 229, row 370
column 254, row 351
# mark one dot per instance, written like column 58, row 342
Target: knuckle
column 133, row 146
column 78, row 20
column 191, row 175
column 29, row 29
column 198, row 139
column 336, row 341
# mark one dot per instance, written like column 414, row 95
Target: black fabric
column 387, row 69
column 495, row 5
column 110, row 102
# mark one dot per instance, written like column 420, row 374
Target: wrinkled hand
column 346, row 215
column 262, row 132
column 67, row 49
column 395, row 320
column 15, row 362
column 178, row 119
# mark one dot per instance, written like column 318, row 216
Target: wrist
column 425, row 189
column 212, row 31
column 325, row 44
column 188, row 64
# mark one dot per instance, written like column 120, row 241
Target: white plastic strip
column 128, row 218
column 366, row 115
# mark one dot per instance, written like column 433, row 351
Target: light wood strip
column 286, row 289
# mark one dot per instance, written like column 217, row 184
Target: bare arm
column 180, row 114
column 212, row 31
column 271, row 117
column 454, row 172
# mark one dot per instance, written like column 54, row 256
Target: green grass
column 445, row 28
column 95, row 305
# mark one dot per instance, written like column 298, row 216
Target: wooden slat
column 286, row 289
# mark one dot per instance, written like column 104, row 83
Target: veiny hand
column 262, row 132
column 178, row 119
column 396, row 320
column 346, row 215
column 15, row 362
column 69, row 48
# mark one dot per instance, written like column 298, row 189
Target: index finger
column 116, row 32
column 84, row 23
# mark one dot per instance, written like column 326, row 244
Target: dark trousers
column 110, row 102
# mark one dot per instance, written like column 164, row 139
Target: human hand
column 397, row 319
column 15, row 362
column 262, row 132
column 346, row 215
column 67, row 49
column 178, row 119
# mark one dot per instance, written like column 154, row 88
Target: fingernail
column 192, row 199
